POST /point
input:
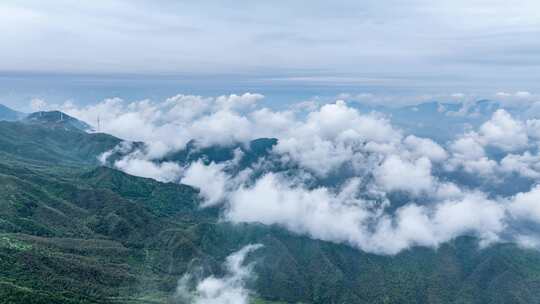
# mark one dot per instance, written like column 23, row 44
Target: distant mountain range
column 8, row 114
column 56, row 120
column 439, row 121
column 51, row 119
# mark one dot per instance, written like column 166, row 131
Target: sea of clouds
column 344, row 176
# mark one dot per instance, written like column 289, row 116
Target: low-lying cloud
column 336, row 173
column 228, row 289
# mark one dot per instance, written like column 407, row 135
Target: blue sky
column 406, row 48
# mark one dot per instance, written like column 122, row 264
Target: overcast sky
column 482, row 45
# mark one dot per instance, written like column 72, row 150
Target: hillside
column 7, row 114
column 74, row 232
column 36, row 143
column 57, row 120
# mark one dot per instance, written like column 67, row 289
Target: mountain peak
column 57, row 120
column 9, row 114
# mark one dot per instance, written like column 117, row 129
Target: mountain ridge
column 57, row 119
column 8, row 114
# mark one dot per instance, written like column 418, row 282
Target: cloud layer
column 336, row 173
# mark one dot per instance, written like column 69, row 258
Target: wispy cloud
column 228, row 289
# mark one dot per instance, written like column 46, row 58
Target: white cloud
column 424, row 147
column 306, row 105
column 317, row 213
column 503, row 94
column 336, row 134
column 468, row 153
column 422, row 226
column 238, row 102
column 343, row 217
column 504, row 132
column 169, row 125
column 163, row 172
column 269, row 123
column 209, row 179
column 135, row 160
column 527, row 205
column 186, row 107
column 458, row 95
column 523, row 94
column 398, row 174
column 223, row 127
column 528, row 241
column 526, row 164
column 229, row 289
column 38, row 104
column 533, row 128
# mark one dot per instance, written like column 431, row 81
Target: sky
column 290, row 49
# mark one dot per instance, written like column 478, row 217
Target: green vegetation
column 9, row 242
column 74, row 232
column 261, row 301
